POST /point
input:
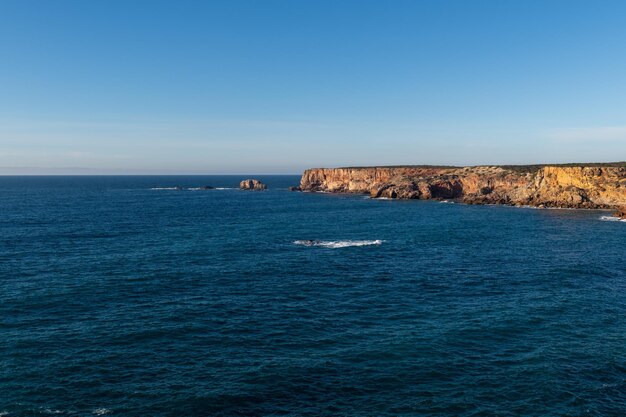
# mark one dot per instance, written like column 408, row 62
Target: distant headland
column 585, row 185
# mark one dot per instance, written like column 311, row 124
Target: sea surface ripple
column 133, row 296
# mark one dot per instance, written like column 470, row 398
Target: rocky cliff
column 573, row 186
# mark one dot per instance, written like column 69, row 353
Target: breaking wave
column 335, row 244
column 611, row 219
column 190, row 188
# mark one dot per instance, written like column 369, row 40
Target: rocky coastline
column 590, row 186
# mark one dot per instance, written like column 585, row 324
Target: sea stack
column 252, row 184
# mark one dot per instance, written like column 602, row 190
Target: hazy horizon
column 276, row 87
column 32, row 171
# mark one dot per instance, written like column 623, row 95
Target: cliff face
column 550, row 186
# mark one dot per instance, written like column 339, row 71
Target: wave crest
column 611, row 219
column 335, row 244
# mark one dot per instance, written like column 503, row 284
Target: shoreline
column 462, row 203
column 609, row 212
column 591, row 186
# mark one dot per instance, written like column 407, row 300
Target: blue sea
column 121, row 296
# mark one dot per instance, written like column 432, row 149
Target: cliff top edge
column 532, row 167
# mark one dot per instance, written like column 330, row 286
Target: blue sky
column 278, row 86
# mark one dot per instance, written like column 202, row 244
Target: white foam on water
column 101, row 411
column 4, row 413
column 611, row 219
column 336, row 244
column 225, row 188
column 164, row 188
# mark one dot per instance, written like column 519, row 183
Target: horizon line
column 67, row 171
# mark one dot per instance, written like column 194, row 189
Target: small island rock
column 621, row 213
column 252, row 184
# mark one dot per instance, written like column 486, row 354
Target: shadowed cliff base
column 585, row 185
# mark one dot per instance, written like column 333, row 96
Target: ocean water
column 121, row 297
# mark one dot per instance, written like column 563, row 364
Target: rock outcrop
column 621, row 213
column 252, row 184
column 573, row 186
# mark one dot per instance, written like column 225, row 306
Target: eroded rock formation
column 575, row 186
column 252, row 184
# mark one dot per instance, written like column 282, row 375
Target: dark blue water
column 120, row 300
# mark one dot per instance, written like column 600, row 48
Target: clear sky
column 270, row 86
